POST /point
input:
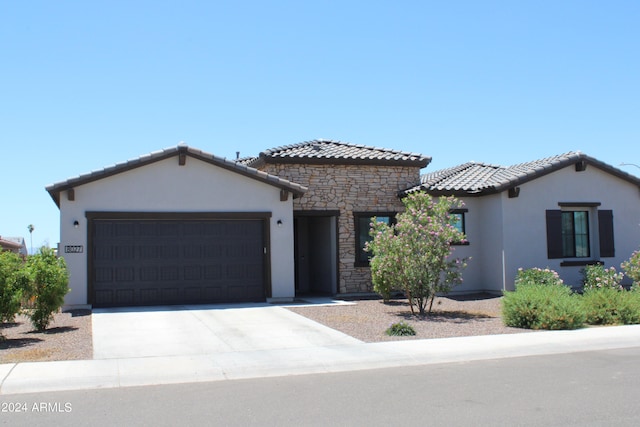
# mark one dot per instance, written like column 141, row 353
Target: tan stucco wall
column 349, row 189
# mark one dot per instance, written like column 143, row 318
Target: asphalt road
column 578, row 389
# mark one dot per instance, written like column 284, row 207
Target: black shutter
column 554, row 234
column 605, row 228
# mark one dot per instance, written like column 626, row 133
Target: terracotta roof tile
column 480, row 178
column 329, row 151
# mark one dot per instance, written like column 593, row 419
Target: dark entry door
column 156, row 262
column 316, row 254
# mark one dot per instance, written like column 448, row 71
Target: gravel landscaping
column 69, row 336
column 367, row 320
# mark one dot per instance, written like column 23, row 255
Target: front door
column 316, row 253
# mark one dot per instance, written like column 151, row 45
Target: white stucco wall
column 526, row 218
column 165, row 186
column 514, row 230
column 483, row 225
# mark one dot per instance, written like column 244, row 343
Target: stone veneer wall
column 348, row 188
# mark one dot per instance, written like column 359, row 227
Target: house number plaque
column 73, row 249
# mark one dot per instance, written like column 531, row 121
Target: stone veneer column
column 348, row 188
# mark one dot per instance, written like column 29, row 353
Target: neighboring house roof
column 13, row 244
column 477, row 179
column 55, row 189
column 322, row 151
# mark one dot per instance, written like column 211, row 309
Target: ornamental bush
column 611, row 306
column 596, row 277
column 537, row 276
column 631, row 268
column 385, row 265
column 400, row 329
column 414, row 254
column 14, row 285
column 50, row 285
column 541, row 301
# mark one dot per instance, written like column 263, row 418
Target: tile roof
column 54, row 189
column 336, row 152
column 475, row 179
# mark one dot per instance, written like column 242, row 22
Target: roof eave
column 263, row 159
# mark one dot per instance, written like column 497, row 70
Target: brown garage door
column 155, row 262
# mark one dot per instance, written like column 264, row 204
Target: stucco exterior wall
column 165, row 186
column 483, row 226
column 506, row 234
column 348, row 189
column 524, row 217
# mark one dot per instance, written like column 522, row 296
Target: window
column 575, row 234
column 362, row 225
column 458, row 221
column 570, row 232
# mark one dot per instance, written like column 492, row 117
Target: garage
column 174, row 259
column 176, row 226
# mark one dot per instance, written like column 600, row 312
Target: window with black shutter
column 568, row 231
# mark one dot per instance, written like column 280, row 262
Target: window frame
column 462, row 212
column 571, row 251
column 601, row 241
column 359, row 248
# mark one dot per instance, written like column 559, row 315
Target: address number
column 73, row 249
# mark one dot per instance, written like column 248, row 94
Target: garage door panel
column 150, row 295
column 169, row 273
column 157, row 262
column 125, row 296
column 125, row 274
column 193, row 272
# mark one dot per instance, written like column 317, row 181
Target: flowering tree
column 414, row 254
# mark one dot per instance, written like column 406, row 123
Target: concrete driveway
column 200, row 330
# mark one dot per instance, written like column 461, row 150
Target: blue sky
column 86, row 84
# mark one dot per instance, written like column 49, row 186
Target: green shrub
column 596, row 277
column 400, row 329
column 610, row 306
column 14, row 285
column 537, row 276
column 541, row 301
column 631, row 268
column 50, row 285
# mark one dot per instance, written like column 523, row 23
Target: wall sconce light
column 76, row 224
column 279, row 223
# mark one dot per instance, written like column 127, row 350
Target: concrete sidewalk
column 140, row 371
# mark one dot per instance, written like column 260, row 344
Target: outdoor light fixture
column 76, row 224
column 279, row 223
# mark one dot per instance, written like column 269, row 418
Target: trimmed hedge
column 542, row 301
column 544, row 306
column 608, row 306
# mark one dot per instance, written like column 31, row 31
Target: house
column 182, row 226
column 561, row 212
column 13, row 244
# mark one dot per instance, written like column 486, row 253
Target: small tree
column 50, row 285
column 414, row 254
column 14, row 285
